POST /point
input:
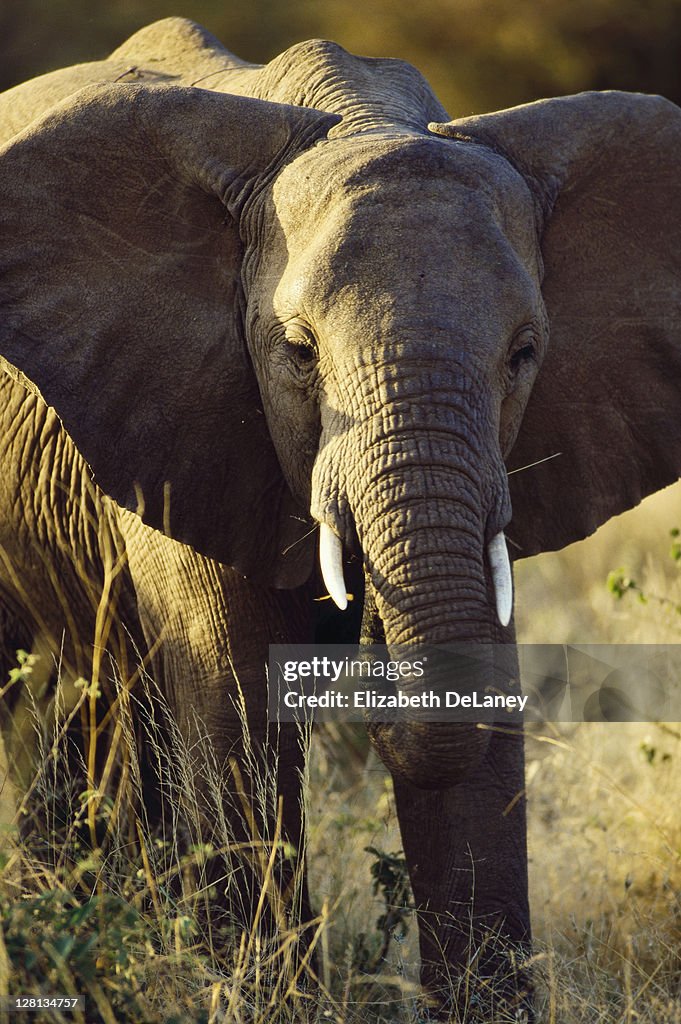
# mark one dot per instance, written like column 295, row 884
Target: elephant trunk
column 428, row 501
column 446, row 611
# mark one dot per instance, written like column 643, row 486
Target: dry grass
column 605, row 848
column 604, row 799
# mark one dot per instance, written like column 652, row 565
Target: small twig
column 301, row 539
column 530, row 465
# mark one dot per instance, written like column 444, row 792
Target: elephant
column 265, row 310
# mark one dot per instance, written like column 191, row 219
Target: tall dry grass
column 99, row 900
column 126, row 917
column 605, row 798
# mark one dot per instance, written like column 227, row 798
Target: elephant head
column 306, row 298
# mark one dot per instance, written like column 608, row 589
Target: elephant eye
column 303, row 353
column 524, row 351
column 302, row 345
column 522, row 355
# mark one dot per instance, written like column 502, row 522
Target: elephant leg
column 230, row 778
column 233, row 783
column 248, row 807
column 466, row 852
column 259, row 823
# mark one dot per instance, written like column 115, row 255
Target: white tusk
column 331, row 562
column 501, row 575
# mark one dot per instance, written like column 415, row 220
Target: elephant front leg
column 231, row 781
column 234, row 796
column 258, row 825
column 466, row 851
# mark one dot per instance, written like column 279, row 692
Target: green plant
column 620, row 582
column 391, row 880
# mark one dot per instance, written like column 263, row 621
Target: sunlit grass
column 604, row 798
column 128, row 918
column 125, row 913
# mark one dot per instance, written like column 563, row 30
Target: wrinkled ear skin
column 121, row 303
column 605, row 170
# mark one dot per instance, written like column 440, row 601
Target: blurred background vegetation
column 477, row 54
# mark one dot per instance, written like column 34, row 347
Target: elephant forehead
column 448, row 219
column 403, row 190
column 400, row 166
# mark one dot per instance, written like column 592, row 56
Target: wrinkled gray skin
column 336, row 306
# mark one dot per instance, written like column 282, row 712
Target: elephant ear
column 605, row 169
column 121, row 300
